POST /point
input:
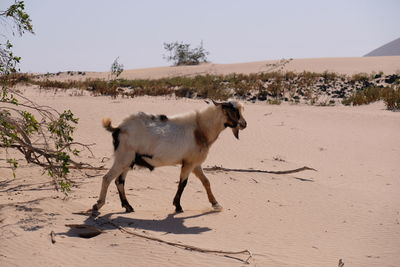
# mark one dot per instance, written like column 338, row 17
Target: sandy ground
column 348, row 209
column 349, row 66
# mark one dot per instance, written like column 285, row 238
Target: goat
column 153, row 141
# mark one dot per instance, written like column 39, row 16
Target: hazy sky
column 89, row 34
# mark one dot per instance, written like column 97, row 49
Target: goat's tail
column 115, row 132
column 107, row 125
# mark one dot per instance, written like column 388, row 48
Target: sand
column 348, row 209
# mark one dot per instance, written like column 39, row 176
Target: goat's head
column 233, row 114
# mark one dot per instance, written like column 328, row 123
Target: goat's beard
column 235, row 132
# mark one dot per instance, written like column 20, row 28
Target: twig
column 254, row 180
column 92, row 175
column 184, row 246
column 218, row 168
column 53, row 237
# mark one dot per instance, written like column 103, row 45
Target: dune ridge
column 345, row 65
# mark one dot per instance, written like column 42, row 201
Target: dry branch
column 218, row 168
column 52, row 237
column 224, row 253
column 42, row 135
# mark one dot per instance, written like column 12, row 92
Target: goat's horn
column 216, row 103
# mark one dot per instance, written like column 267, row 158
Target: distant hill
column 390, row 49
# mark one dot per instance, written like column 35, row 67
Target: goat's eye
column 235, row 114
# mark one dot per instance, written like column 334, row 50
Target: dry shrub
column 392, row 99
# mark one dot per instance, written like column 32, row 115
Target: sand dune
column 349, row 66
column 348, row 209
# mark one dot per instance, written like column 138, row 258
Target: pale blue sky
column 88, row 35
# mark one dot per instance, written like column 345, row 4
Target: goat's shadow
column 171, row 224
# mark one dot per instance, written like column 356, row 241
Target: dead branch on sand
column 53, row 237
column 218, row 168
column 184, row 246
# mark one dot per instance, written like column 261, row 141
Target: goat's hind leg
column 110, row 175
column 185, row 171
column 120, row 165
column 120, row 183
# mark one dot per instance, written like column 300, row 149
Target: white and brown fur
column 153, row 141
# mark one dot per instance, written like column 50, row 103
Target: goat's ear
column 216, row 103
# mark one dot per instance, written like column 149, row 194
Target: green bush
column 182, row 54
column 116, row 68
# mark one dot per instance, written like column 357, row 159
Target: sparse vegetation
column 182, row 54
column 274, row 102
column 278, row 66
column 116, row 68
column 392, row 99
column 320, row 89
column 369, row 95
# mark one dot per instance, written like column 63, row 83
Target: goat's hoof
column 178, row 210
column 217, row 207
column 129, row 209
column 95, row 207
column 95, row 211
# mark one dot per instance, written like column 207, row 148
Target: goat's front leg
column 120, row 183
column 185, row 171
column 198, row 171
